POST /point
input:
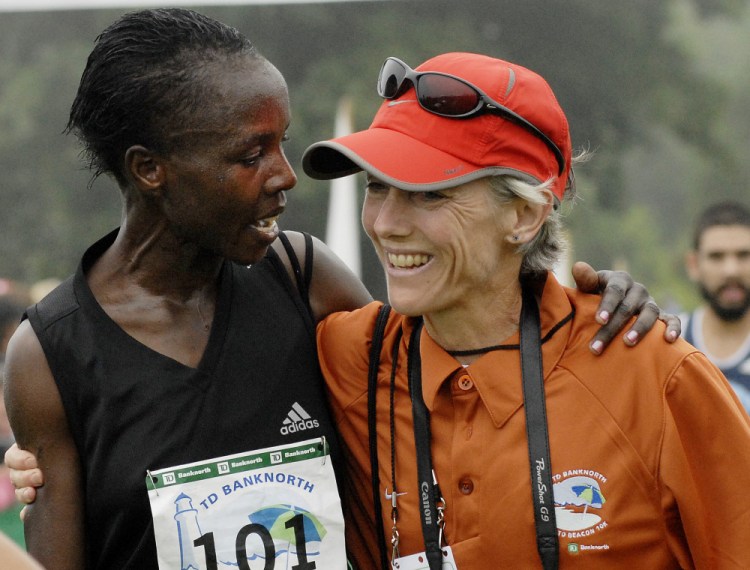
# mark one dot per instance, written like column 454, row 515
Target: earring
column 515, row 237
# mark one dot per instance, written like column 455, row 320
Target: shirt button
column 466, row 486
column 465, row 383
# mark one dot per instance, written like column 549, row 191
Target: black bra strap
column 308, row 264
column 303, row 282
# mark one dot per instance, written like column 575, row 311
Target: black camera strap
column 537, row 438
column 429, row 492
column 536, row 431
column 372, row 391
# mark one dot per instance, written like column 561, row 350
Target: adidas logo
column 297, row 420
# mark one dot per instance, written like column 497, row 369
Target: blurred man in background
column 719, row 264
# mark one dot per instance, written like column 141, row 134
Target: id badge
column 419, row 561
column 272, row 508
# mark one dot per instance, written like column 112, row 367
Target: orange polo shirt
column 650, row 448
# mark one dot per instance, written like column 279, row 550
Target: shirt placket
column 464, row 486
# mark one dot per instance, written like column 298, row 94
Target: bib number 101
column 296, row 522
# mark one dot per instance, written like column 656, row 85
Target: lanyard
column 537, row 436
column 536, row 426
column 429, row 493
column 536, row 431
column 372, row 392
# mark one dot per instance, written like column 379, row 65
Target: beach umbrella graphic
column 276, row 517
column 590, row 495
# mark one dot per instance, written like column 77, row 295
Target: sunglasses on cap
column 450, row 96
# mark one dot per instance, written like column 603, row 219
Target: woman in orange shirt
column 489, row 435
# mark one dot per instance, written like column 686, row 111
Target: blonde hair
column 541, row 253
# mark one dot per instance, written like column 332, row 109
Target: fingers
column 649, row 314
column 646, row 319
column 621, row 299
column 9, row 453
column 674, row 326
column 619, row 293
column 17, row 458
column 26, row 478
column 25, row 495
column 586, row 279
column 25, row 482
column 614, row 321
column 24, row 474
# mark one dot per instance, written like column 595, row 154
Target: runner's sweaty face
column 227, row 171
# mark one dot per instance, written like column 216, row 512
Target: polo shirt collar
column 497, row 375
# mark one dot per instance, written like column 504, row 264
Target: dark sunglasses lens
column 391, row 78
column 446, row 96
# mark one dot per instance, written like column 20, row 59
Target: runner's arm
column 333, row 287
column 54, row 523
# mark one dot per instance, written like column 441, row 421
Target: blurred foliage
column 657, row 90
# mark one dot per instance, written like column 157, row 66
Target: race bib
column 268, row 509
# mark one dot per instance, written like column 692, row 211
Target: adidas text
column 299, row 426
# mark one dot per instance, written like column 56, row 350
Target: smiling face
column 721, row 267
column 442, row 251
column 227, row 172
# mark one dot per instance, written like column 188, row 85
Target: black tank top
column 131, row 409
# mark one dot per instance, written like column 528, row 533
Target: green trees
column 47, row 210
column 658, row 90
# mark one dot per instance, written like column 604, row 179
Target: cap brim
column 396, row 159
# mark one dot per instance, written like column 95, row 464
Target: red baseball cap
column 416, row 150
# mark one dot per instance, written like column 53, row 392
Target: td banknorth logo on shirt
column 297, row 420
column 579, row 508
